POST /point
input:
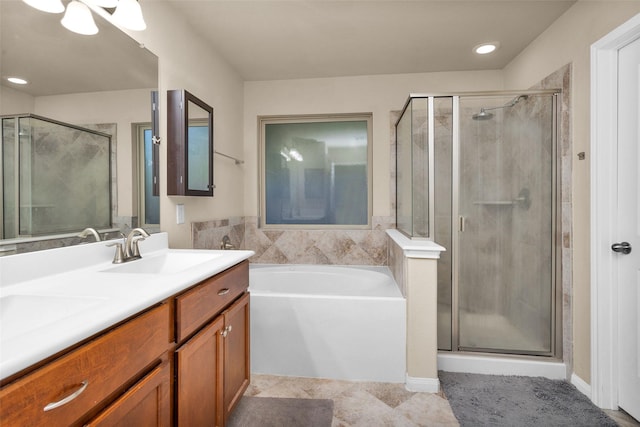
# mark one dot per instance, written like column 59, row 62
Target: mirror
column 189, row 145
column 101, row 82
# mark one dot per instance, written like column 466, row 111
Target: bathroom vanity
column 166, row 342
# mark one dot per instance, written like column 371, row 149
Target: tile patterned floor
column 360, row 403
column 373, row 404
column 622, row 418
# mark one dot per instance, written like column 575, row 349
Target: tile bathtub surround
column 209, row 234
column 361, row 403
column 333, row 246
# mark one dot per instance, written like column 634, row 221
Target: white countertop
column 92, row 299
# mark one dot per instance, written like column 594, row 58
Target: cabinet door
column 199, row 378
column 146, row 404
column 237, row 366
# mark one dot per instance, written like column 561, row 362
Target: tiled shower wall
column 562, row 79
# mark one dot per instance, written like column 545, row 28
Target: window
column 316, row 171
column 149, row 205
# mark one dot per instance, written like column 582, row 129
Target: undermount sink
column 166, row 263
column 23, row 313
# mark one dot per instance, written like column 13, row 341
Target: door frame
column 604, row 279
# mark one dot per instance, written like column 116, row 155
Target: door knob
column 624, row 247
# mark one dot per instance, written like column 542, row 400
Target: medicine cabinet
column 189, row 145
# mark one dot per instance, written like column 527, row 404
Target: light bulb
column 104, row 3
column 128, row 14
column 78, row 19
column 483, row 49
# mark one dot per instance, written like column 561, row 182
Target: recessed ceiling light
column 484, row 48
column 17, row 80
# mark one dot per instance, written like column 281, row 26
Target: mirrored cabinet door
column 189, row 145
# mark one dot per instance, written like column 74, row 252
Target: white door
column 628, row 228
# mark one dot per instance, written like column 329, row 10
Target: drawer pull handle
column 69, row 398
column 223, row 291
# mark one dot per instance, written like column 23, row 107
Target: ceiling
column 55, row 61
column 270, row 40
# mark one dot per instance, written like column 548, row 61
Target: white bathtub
column 333, row 322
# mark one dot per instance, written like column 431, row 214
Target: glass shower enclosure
column 476, row 173
column 55, row 177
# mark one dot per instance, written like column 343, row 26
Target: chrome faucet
column 85, row 233
column 226, row 243
column 131, row 250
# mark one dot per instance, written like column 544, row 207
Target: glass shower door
column 505, row 206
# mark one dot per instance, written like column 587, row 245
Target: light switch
column 180, row 214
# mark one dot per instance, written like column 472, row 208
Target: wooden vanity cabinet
column 109, row 371
column 184, row 362
column 212, row 364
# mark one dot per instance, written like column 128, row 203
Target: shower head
column 482, row 115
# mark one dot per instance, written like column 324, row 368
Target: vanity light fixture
column 17, row 80
column 78, row 17
column 128, row 14
column 485, row 48
column 104, row 3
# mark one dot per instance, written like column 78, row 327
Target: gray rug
column 281, row 412
column 491, row 400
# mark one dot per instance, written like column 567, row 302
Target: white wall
column 568, row 40
column 377, row 94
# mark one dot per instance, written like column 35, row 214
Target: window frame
column 139, row 173
column 263, row 121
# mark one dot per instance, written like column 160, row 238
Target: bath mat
column 281, row 412
column 493, row 400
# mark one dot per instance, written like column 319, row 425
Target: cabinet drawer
column 93, row 373
column 196, row 306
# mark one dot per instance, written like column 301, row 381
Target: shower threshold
column 492, row 364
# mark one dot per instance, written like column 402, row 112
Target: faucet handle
column 118, row 257
column 135, row 250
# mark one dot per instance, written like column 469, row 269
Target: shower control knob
column 624, row 247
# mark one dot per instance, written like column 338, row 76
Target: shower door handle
column 624, row 247
column 461, row 221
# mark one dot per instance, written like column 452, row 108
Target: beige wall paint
column 376, row 94
column 14, row 102
column 422, row 327
column 187, row 62
column 568, row 40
